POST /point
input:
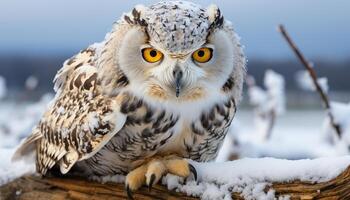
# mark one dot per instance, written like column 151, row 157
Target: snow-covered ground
column 16, row 122
column 297, row 134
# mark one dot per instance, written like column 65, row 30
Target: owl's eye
column 203, row 55
column 151, row 55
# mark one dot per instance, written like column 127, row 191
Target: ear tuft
column 137, row 16
column 141, row 9
column 215, row 17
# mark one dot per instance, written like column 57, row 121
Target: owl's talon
column 193, row 171
column 153, row 170
column 153, row 178
column 129, row 193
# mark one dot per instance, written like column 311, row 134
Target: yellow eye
column 151, row 55
column 203, row 55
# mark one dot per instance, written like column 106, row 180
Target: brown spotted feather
column 80, row 121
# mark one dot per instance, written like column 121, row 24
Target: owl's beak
column 177, row 73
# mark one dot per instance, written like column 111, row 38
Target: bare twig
column 313, row 75
column 272, row 120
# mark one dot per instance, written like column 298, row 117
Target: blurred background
column 37, row 36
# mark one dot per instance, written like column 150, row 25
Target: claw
column 153, row 178
column 129, row 193
column 193, row 170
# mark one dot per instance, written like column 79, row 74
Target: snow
column 274, row 83
column 16, row 122
column 305, row 82
column 15, row 126
column 341, row 113
column 226, row 150
column 267, row 103
column 250, row 176
column 273, row 97
column 257, row 96
column 323, row 83
column 9, row 170
column 293, row 137
column 31, row 82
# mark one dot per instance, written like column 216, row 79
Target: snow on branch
column 31, row 83
column 268, row 103
column 259, row 178
column 305, row 82
column 316, row 82
column 341, row 113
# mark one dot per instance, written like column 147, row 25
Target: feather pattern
column 80, row 121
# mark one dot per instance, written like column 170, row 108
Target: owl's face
column 177, row 51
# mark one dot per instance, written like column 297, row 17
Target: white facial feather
column 227, row 60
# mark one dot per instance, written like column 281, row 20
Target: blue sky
column 320, row 27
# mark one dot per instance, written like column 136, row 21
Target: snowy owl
column 161, row 88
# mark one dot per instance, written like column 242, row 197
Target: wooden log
column 36, row 188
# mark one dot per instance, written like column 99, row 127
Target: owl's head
column 177, row 50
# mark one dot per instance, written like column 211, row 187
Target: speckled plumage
column 112, row 110
column 165, row 20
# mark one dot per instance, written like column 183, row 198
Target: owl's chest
column 151, row 130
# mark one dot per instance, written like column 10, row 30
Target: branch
column 313, row 76
column 32, row 187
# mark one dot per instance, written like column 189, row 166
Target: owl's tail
column 27, row 147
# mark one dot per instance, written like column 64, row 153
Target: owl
column 162, row 88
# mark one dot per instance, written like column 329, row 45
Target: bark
column 36, row 188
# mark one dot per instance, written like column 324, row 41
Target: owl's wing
column 79, row 122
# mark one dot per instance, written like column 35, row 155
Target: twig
column 272, row 121
column 313, row 75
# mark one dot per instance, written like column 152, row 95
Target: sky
column 321, row 28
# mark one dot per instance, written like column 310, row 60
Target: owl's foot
column 152, row 171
